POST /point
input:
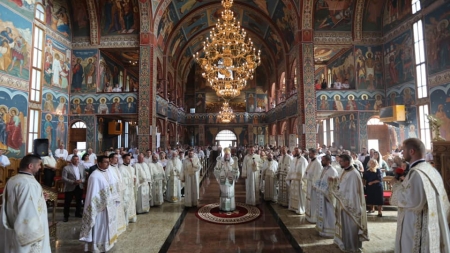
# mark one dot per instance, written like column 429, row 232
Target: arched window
column 79, row 124
column 225, row 138
column 39, row 13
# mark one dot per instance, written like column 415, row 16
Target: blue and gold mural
column 398, row 60
column 85, row 69
column 54, row 102
column 56, row 65
column 103, row 104
column 440, row 107
column 15, row 44
column 251, row 102
column 349, row 100
column 13, row 121
column 437, row 36
column 54, row 128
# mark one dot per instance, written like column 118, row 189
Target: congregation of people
column 335, row 189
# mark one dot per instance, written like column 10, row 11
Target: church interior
column 121, row 73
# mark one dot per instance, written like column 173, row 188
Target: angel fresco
column 14, row 130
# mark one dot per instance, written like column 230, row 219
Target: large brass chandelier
column 226, row 115
column 230, row 58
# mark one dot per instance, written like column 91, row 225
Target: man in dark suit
column 73, row 177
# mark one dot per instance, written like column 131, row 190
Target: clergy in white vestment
column 251, row 173
column 99, row 227
column 423, row 205
column 326, row 219
column 189, row 175
column 24, row 221
column 158, row 185
column 61, row 152
column 226, row 173
column 121, row 186
column 312, row 175
column 351, row 217
column 173, row 170
column 283, row 168
column 129, row 198
column 294, row 179
column 269, row 174
column 143, row 182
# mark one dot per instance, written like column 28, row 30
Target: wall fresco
column 15, row 44
column 13, row 122
column 399, row 60
column 56, row 64
column 103, row 104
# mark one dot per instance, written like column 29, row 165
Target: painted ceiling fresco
column 186, row 24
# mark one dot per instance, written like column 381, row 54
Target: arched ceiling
column 184, row 25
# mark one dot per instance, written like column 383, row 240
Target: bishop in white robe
column 294, row 179
column 143, row 181
column 351, row 218
column 251, row 173
column 158, row 185
column 269, row 174
column 24, row 218
column 423, row 205
column 312, row 175
column 189, row 175
column 129, row 197
column 226, row 172
column 326, row 219
column 99, row 226
column 173, row 170
column 283, row 169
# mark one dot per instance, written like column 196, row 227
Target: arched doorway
column 77, row 138
column 226, row 138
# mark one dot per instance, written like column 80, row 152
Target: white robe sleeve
column 28, row 226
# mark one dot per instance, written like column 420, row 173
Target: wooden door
column 381, row 133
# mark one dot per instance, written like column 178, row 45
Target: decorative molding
column 144, row 10
column 93, row 21
column 120, row 41
column 13, row 82
column 309, row 96
column 371, row 38
column 407, row 25
column 58, row 37
column 307, row 14
column 439, row 79
column 321, row 37
column 358, row 20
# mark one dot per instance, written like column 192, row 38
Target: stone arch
column 93, row 21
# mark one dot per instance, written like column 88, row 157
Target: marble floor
column 173, row 228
